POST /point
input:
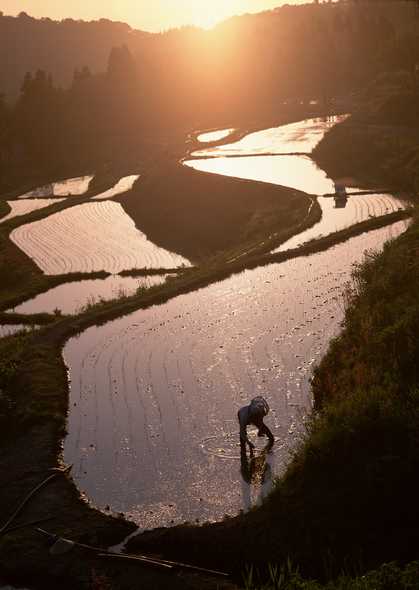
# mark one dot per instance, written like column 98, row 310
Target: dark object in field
column 60, row 545
column 6, row 526
column 254, row 414
column 173, row 565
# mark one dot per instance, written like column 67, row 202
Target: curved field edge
column 33, row 408
column 4, row 209
column 23, row 278
column 199, row 215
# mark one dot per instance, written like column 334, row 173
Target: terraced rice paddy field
column 88, row 238
column 358, row 208
column 154, row 395
column 152, row 427
column 301, row 137
column 72, row 298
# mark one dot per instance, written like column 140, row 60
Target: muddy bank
column 198, row 214
column 372, row 151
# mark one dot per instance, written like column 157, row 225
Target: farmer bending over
column 254, row 414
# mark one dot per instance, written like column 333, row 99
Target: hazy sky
column 152, row 15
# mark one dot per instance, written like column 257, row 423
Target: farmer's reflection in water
column 256, row 472
column 255, row 469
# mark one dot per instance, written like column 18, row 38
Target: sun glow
column 151, row 16
column 206, row 14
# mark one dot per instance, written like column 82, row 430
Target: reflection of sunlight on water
column 70, row 298
column 91, row 237
column 301, row 137
column 358, row 208
column 214, row 135
column 298, row 172
column 142, row 395
column 256, row 471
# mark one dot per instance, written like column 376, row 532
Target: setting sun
column 206, row 15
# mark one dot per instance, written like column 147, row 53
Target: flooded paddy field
column 63, row 188
column 122, row 186
column 357, row 208
column 88, row 238
column 26, row 206
column 300, row 137
column 71, row 298
column 214, row 135
column 152, row 428
column 298, row 172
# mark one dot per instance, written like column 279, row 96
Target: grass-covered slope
column 4, row 208
column 198, row 214
column 379, row 144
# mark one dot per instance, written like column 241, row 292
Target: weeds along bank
column 380, row 142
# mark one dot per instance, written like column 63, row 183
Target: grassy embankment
column 379, row 144
column 217, row 214
column 198, row 214
column 20, row 276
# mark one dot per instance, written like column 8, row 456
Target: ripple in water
column 26, row 206
column 300, row 137
column 154, row 395
column 91, row 237
column 71, row 298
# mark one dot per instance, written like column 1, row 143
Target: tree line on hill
column 127, row 87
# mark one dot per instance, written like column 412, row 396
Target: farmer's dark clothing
column 254, row 414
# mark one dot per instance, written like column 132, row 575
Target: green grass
column 389, row 576
column 379, row 346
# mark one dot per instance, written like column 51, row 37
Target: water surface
column 71, row 298
column 298, row 172
column 356, row 209
column 26, row 206
column 122, row 186
column 91, row 237
column 154, row 395
column 300, row 137
column 214, row 135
